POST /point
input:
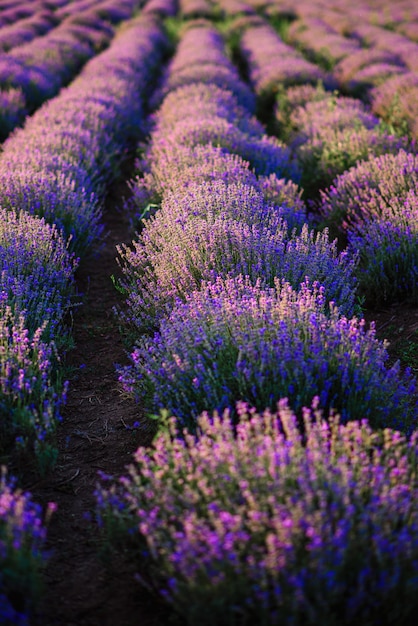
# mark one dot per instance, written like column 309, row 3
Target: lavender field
column 208, row 312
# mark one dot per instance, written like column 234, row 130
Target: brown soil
column 81, row 587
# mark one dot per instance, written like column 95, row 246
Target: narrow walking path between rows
column 82, row 589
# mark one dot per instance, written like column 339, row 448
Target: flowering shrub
column 236, row 341
column 264, row 523
column 170, row 259
column 359, row 194
column 171, row 168
column 30, row 398
column 388, row 251
column 333, row 134
column 22, row 555
column 37, row 270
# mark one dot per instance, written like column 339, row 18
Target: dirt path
column 81, row 590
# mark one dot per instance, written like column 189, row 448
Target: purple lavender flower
column 36, row 271
column 236, row 341
column 387, row 245
column 30, row 397
column 201, row 58
column 268, row 523
column 172, row 258
column 12, row 110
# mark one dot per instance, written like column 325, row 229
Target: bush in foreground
column 266, row 524
column 22, row 539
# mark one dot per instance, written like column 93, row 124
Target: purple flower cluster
column 162, row 8
column 232, row 234
column 22, row 552
column 216, row 118
column 195, row 8
column 12, row 110
column 36, row 271
column 107, row 10
column 358, row 194
column 15, row 11
column 30, row 395
column 387, row 245
column 238, row 7
column 373, row 36
column 375, row 205
column 233, row 340
column 263, row 523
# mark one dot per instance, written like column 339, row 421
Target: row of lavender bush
column 54, row 174
column 37, row 68
column 245, row 516
column 329, row 134
column 372, row 54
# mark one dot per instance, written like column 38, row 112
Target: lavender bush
column 30, row 394
column 333, row 134
column 37, row 271
column 359, row 193
column 22, row 552
column 170, row 259
column 387, row 246
column 261, row 523
column 236, row 341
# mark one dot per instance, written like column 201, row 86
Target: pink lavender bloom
column 60, row 175
column 348, row 69
column 235, row 341
column 30, row 397
column 320, row 41
column 219, row 120
column 16, row 12
column 268, row 523
column 22, row 552
column 164, row 8
column 195, row 8
column 236, row 7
